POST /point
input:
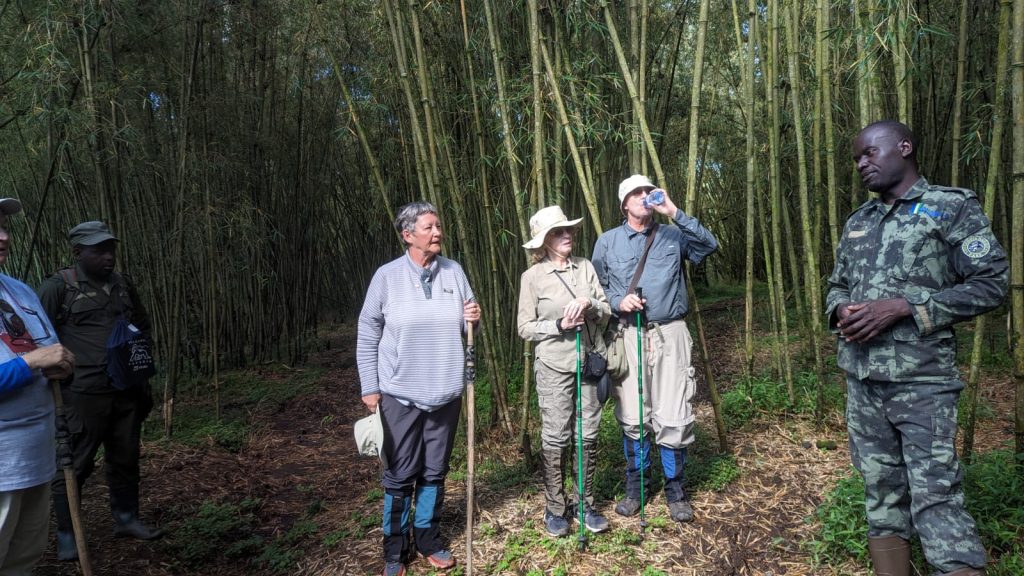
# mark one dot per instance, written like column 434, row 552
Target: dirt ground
column 303, row 456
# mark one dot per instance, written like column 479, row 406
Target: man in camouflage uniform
column 911, row 263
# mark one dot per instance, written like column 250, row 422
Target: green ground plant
column 252, row 392
column 764, row 396
column 281, row 554
column 213, row 528
column 713, row 472
column 994, row 493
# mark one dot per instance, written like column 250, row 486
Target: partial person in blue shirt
column 29, row 356
column 668, row 383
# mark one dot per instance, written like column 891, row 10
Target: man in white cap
column 29, row 356
column 668, row 383
column 85, row 303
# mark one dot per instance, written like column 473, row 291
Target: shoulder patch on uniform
column 965, row 192
column 976, row 246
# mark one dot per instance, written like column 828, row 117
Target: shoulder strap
column 562, row 280
column 643, row 260
column 70, row 278
column 586, row 323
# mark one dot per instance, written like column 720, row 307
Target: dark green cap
column 9, row 206
column 90, row 234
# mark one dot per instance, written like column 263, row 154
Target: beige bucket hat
column 544, row 221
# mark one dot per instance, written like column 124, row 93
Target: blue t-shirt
column 27, row 452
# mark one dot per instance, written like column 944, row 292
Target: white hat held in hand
column 369, row 434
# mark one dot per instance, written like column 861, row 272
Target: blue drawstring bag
column 129, row 356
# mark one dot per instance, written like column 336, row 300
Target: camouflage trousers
column 902, row 440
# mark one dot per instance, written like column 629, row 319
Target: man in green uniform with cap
column 911, row 263
column 85, row 302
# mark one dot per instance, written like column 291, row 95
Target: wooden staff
column 70, row 480
column 470, row 455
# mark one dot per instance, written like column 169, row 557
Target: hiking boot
column 555, row 525
column 67, row 551
column 681, row 511
column 627, row 507
column 392, row 568
column 441, row 560
column 594, row 521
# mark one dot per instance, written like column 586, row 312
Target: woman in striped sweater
column 410, row 357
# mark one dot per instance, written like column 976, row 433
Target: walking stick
column 640, row 395
column 470, row 456
column 67, row 465
column 579, row 440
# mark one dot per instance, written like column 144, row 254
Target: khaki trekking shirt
column 541, row 298
column 934, row 247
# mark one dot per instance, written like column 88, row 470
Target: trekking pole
column 640, row 395
column 579, row 440
column 67, row 465
column 470, row 438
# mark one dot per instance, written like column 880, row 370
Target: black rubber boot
column 124, row 505
column 66, row 550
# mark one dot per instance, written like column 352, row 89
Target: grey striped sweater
column 410, row 346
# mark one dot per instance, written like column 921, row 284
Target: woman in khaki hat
column 559, row 294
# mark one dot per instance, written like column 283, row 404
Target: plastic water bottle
column 654, row 198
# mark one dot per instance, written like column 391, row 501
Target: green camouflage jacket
column 934, row 246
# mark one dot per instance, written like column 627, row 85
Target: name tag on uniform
column 857, row 233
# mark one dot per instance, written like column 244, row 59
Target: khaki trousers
column 668, row 385
column 24, row 526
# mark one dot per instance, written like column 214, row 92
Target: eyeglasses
column 15, row 325
column 562, row 232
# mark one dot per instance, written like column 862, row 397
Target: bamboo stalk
column 634, row 95
column 811, row 278
column 958, row 94
column 995, row 159
column 782, row 330
column 1017, row 229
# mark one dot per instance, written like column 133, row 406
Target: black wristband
column 558, row 326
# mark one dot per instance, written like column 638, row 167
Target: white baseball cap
column 632, row 183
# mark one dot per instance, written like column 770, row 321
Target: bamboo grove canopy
column 251, row 155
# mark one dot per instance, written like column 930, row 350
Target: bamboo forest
column 251, row 158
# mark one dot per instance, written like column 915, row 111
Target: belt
column 631, row 321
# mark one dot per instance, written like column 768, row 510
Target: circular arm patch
column 976, row 246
